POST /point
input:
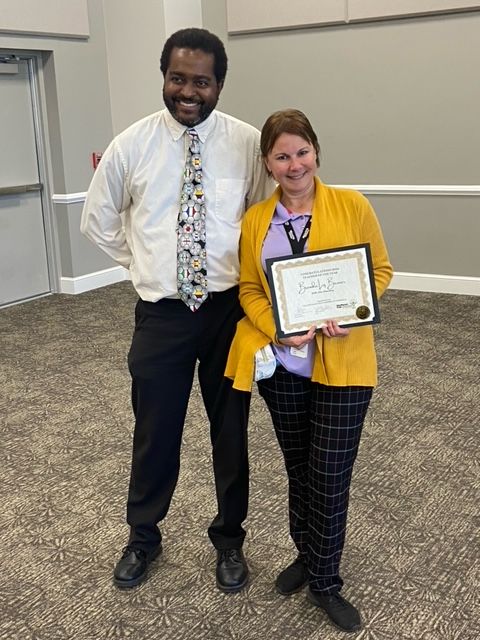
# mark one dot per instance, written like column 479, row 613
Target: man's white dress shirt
column 132, row 204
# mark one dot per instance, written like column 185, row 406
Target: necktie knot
column 193, row 146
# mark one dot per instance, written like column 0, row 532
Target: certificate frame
column 332, row 284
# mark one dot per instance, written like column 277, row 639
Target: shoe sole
column 290, row 593
column 129, row 584
column 122, row 584
column 319, row 606
column 234, row 589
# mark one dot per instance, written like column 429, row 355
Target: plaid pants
column 318, row 428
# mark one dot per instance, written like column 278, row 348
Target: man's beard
column 204, row 111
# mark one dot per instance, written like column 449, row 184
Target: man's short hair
column 193, row 38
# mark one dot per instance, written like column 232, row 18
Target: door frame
column 35, row 73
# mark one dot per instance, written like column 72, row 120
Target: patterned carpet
column 411, row 562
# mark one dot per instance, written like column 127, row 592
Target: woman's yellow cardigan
column 340, row 217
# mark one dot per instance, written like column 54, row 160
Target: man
column 166, row 203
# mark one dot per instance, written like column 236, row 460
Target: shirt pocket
column 230, row 196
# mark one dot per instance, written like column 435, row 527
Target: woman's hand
column 300, row 341
column 331, row 330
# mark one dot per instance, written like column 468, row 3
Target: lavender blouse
column 277, row 244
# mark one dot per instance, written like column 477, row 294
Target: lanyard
column 297, row 244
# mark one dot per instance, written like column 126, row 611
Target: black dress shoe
column 131, row 569
column 293, row 578
column 232, row 570
column 341, row 613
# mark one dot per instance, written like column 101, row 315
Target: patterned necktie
column 191, row 231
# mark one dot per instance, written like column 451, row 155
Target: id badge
column 299, row 352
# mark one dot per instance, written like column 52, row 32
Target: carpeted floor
column 411, row 561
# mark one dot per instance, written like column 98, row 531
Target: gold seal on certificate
column 362, row 312
column 311, row 288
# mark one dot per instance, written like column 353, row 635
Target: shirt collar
column 203, row 128
column 282, row 214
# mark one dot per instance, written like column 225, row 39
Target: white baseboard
column 94, row 280
column 462, row 285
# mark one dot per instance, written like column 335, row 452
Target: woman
column 321, row 388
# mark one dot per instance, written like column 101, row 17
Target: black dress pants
column 318, row 428
column 168, row 341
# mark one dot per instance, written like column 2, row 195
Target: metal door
column 24, row 267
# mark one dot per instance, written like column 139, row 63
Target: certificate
column 310, row 288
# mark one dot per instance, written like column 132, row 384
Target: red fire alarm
column 96, row 157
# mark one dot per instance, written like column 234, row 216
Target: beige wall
column 393, row 103
column 135, row 33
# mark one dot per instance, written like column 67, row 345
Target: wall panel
column 381, row 9
column 256, row 15
column 250, row 16
column 48, row 17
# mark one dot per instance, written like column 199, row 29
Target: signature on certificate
column 316, row 286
